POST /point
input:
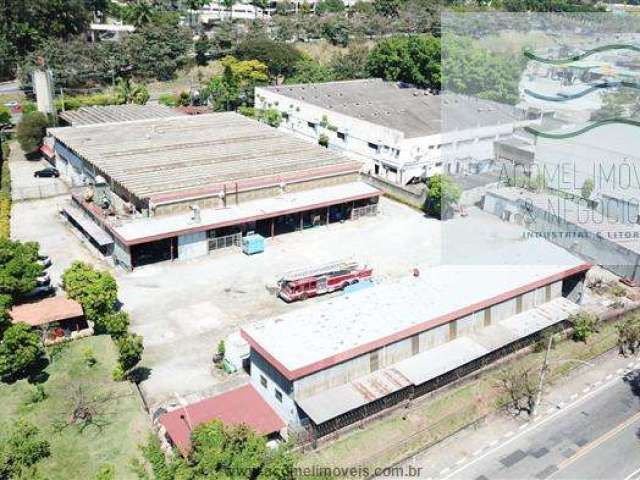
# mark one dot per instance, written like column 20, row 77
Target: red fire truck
column 309, row 282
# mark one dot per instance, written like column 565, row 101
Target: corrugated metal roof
column 116, row 113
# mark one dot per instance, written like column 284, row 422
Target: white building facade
column 403, row 135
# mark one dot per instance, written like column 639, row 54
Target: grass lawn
column 407, row 431
column 76, row 454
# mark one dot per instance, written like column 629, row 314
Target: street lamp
column 543, row 373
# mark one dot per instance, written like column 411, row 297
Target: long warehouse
column 179, row 187
column 353, row 356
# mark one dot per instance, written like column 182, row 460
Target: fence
column 38, row 192
column 234, row 240
column 366, row 211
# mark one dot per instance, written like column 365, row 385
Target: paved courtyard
column 184, row 308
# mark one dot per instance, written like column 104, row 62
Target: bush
column 20, row 350
column 78, row 101
column 323, row 140
column 106, row 472
column 584, row 325
column 31, row 131
column 130, row 350
column 118, row 374
column 117, row 324
column 443, row 193
column 38, row 394
column 21, row 447
column 89, row 357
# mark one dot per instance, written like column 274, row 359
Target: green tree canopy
column 443, row 193
column 351, row 65
column 20, row 350
column 31, row 130
column 130, row 350
column 308, row 70
column 279, row 57
column 95, row 290
column 329, row 6
column 21, row 448
column 19, row 267
column 413, row 59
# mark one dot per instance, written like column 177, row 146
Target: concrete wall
column 193, row 245
column 596, row 249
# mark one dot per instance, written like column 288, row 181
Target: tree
column 19, row 268
column 279, row 57
column 5, row 116
column 236, row 84
column 128, row 92
column 130, row 350
column 31, row 130
column 336, row 30
column 519, row 388
column 387, row 8
column 20, row 350
column 117, row 324
column 584, row 324
column 443, row 193
column 629, row 336
column 21, row 448
column 324, row 7
column 587, row 189
column 310, row 71
column 412, row 59
column 201, row 48
column 351, row 65
column 139, row 13
column 95, row 290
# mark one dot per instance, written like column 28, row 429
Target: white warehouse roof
column 336, row 330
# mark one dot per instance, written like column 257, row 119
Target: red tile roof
column 46, row 311
column 243, row 405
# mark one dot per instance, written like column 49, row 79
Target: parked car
column 44, row 261
column 43, row 280
column 39, row 292
column 47, row 172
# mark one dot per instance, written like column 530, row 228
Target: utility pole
column 543, row 373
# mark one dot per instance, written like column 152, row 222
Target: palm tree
column 139, row 13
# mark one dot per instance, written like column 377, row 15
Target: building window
column 373, row 146
column 311, row 125
column 263, row 381
column 342, row 136
column 278, row 395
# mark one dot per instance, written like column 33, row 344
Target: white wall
column 193, row 245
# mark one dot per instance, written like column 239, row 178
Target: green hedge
column 5, row 194
column 77, row 101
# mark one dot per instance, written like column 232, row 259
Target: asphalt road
column 598, row 438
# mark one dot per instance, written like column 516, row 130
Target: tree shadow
column 139, row 374
column 35, row 374
column 632, row 379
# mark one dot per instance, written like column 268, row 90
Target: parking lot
column 24, row 185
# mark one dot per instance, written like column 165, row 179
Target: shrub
column 117, row 324
column 89, row 357
column 118, row 374
column 106, row 472
column 584, row 325
column 38, row 394
column 31, row 131
column 130, row 350
column 323, row 140
column 20, row 350
column 21, row 447
column 443, row 193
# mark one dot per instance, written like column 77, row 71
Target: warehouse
column 402, row 134
column 180, row 187
column 606, row 241
column 358, row 354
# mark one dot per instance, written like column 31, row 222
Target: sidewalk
column 442, row 460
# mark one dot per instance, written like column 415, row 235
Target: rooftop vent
column 195, row 214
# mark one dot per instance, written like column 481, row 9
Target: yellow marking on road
column 597, row 442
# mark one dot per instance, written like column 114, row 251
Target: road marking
column 445, row 471
column 597, row 442
column 523, row 426
column 493, row 443
column 573, row 397
column 534, row 427
column 508, row 434
column 477, row 452
column 561, row 405
column 585, row 390
column 461, row 461
column 633, row 474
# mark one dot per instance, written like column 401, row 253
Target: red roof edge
column 402, row 334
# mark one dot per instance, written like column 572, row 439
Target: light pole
column 543, row 374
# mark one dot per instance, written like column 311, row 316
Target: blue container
column 253, row 244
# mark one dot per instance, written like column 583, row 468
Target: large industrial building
column 179, row 187
column 403, row 134
column 332, row 364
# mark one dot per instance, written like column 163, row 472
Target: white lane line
column 573, row 397
column 461, row 461
column 585, row 390
column 537, row 425
column 633, row 474
column 477, row 452
column 493, row 443
column 523, row 426
column 445, row 471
